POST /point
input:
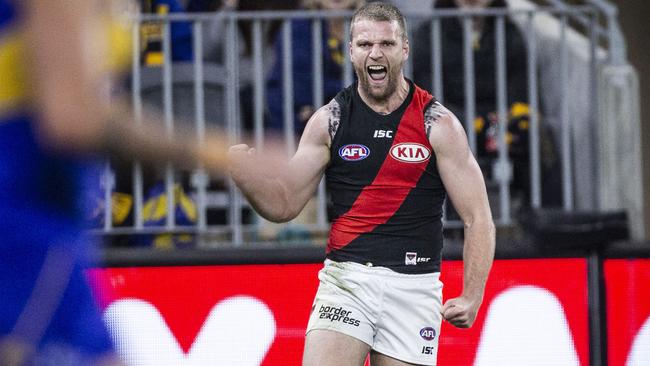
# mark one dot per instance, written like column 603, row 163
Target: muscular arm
column 279, row 190
column 464, row 183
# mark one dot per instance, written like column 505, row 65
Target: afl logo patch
column 410, row 152
column 354, row 152
column 428, row 333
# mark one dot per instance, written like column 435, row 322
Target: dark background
column 634, row 16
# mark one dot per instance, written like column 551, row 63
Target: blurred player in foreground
column 390, row 153
column 55, row 57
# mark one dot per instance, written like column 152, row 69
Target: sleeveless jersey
column 384, row 189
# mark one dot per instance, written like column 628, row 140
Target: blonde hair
column 380, row 12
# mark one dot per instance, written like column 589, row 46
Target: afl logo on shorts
column 428, row 333
column 354, row 152
column 410, row 152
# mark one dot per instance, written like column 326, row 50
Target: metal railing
column 220, row 83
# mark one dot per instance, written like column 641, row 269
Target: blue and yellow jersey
column 41, row 213
column 13, row 88
column 28, row 173
column 110, row 37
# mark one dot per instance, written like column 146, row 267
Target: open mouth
column 377, row 72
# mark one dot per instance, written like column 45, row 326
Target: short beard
column 376, row 96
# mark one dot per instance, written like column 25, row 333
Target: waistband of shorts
column 380, row 271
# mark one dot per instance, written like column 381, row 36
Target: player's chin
column 379, row 93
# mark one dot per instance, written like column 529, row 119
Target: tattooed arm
column 432, row 114
column 278, row 191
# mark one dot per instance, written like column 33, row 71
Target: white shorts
column 397, row 314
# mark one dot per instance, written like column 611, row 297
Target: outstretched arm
column 465, row 186
column 67, row 70
column 279, row 190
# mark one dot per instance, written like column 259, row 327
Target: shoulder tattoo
column 431, row 115
column 334, row 118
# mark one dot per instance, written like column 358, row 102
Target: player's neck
column 390, row 104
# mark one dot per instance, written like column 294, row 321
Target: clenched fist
column 460, row 311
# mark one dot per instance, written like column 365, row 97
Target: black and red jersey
column 385, row 193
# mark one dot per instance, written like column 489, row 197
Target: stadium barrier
column 566, row 46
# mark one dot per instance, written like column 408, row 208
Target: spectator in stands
column 214, row 39
column 215, row 36
column 413, row 6
column 484, row 56
column 214, row 32
column 334, row 45
column 270, row 31
column 181, row 33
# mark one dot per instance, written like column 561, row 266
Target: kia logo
column 410, row 152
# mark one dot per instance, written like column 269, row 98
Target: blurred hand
column 460, row 311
